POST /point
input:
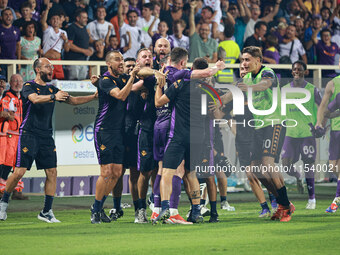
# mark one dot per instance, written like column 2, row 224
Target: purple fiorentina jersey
column 164, row 113
column 8, row 39
column 326, row 54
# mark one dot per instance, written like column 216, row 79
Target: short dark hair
column 229, row 30
column 130, row 59
column 200, row 63
column 143, row 49
column 26, row 24
column 25, row 5
column 131, row 11
column 259, row 24
column 326, row 8
column 109, row 53
column 325, row 30
column 272, row 40
column 177, row 54
column 300, row 63
column 79, row 11
column 254, row 51
column 112, row 36
column 208, row 8
column 6, row 9
column 36, row 64
column 149, row 6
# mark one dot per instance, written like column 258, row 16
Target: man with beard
column 162, row 48
column 35, row 135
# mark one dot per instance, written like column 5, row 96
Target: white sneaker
column 142, row 218
column 3, row 210
column 311, row 205
column 225, row 206
column 204, row 211
column 48, row 217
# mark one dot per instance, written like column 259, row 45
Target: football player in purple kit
column 177, row 63
column 331, row 93
column 113, row 90
column 35, row 139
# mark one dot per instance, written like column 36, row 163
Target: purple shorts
column 294, row 147
column 159, row 142
column 334, row 145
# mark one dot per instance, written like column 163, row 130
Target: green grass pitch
column 239, row 232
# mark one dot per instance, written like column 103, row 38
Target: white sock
column 312, row 200
column 173, row 211
column 157, row 210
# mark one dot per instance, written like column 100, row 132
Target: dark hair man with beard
column 35, row 135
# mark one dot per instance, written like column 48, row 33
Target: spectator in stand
column 26, row 16
column 271, row 55
column 79, row 47
column 134, row 6
column 325, row 15
column 207, row 17
column 335, row 20
column 4, row 5
column 34, row 10
column 98, row 55
column 54, row 41
column 241, row 15
column 136, row 35
column 124, row 4
column 215, row 5
column 175, row 13
column 162, row 32
column 300, row 28
column 100, row 28
column 109, row 5
column 257, row 39
column 30, row 49
column 200, row 43
column 255, row 16
column 114, row 44
column 229, row 52
column 310, row 33
column 326, row 51
column 292, row 44
column 145, row 22
column 156, row 8
column 9, row 39
column 178, row 39
column 280, row 32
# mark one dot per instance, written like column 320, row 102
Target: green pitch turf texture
column 239, row 232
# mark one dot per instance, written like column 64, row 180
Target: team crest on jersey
column 204, row 161
column 51, row 90
column 102, row 147
column 55, row 150
column 124, row 80
column 144, row 153
column 25, row 150
column 27, row 84
column 106, row 78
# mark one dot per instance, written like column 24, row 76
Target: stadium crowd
column 285, row 30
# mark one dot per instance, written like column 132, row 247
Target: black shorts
column 145, row 160
column 109, row 147
column 243, row 153
column 36, row 148
column 268, row 141
column 130, row 143
column 176, row 151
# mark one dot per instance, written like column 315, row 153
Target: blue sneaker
column 196, row 218
column 332, row 208
column 264, row 213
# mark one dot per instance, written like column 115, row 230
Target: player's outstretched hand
column 243, row 87
column 95, row 80
column 61, row 96
column 160, row 77
column 220, row 65
column 317, row 131
column 95, row 95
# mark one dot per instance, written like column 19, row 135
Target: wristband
column 52, row 97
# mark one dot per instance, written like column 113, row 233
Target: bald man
column 35, row 135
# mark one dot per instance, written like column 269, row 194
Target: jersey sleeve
column 172, row 91
column 335, row 104
column 317, row 96
column 106, row 84
column 182, row 74
column 270, row 75
column 27, row 90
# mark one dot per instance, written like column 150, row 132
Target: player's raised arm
column 160, row 98
column 333, row 108
column 122, row 94
column 81, row 99
column 321, row 120
column 208, row 72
